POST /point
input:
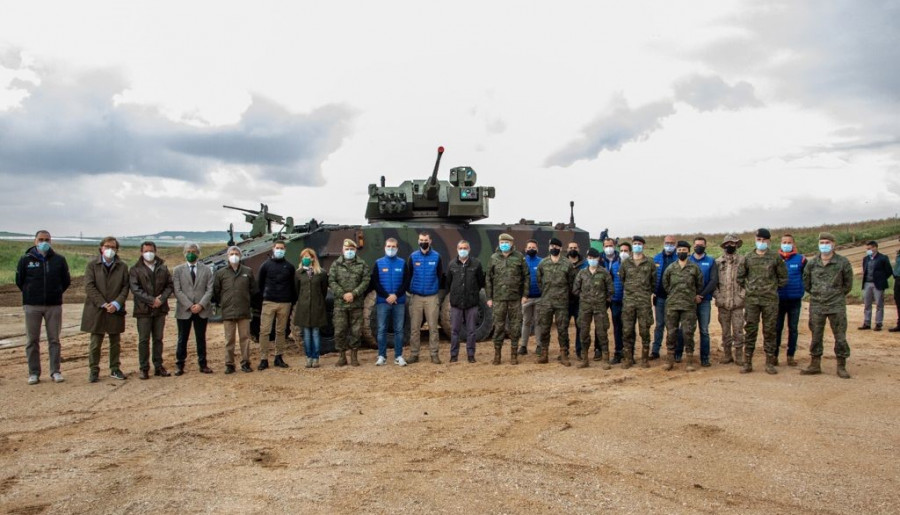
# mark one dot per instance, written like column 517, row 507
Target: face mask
column 531, row 252
column 504, row 247
column 593, row 262
column 623, row 255
column 43, row 246
column 390, row 251
column 149, row 256
column 730, row 249
column 573, row 253
column 109, row 254
column 191, row 257
column 278, row 253
column 234, row 259
column 349, row 254
column 669, row 248
column 555, row 252
column 825, row 248
column 306, row 261
column 682, row 256
column 786, row 247
column 762, row 245
column 638, row 248
column 869, row 253
column 699, row 249
column 424, row 245
column 609, row 251
column 463, row 253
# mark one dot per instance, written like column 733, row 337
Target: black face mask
column 730, row 249
column 573, row 253
column 554, row 252
column 424, row 245
column 682, row 256
column 531, row 252
column 699, row 249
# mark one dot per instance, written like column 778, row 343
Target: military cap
column 555, row 241
column 506, row 237
column 826, row 236
column 763, row 233
column 349, row 243
column 731, row 238
column 682, row 244
column 639, row 238
column 592, row 252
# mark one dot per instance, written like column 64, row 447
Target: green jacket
column 593, row 290
column 555, row 281
column 348, row 276
column 312, row 289
column 828, row 284
column 761, row 276
column 233, row 290
column 507, row 277
column 682, row 285
column 638, row 281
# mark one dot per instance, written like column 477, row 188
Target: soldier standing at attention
column 425, row 271
column 828, row 279
column 555, row 279
column 683, row 282
column 348, row 280
column 761, row 274
column 574, row 255
column 506, row 288
column 638, row 275
column 594, row 288
column 790, row 298
column 730, row 301
column 529, row 308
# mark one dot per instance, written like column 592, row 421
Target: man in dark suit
column 876, row 271
column 193, row 293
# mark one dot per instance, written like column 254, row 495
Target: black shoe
column 245, row 366
column 206, row 370
column 895, row 329
column 705, row 362
column 179, row 371
column 677, row 359
column 263, row 364
column 117, row 374
column 616, row 359
column 229, row 369
column 94, row 377
column 471, row 359
column 578, row 355
column 161, row 372
column 877, row 327
column 597, row 355
column 453, row 359
column 279, row 362
column 523, row 350
column 654, row 355
column 145, row 374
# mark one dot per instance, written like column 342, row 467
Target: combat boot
column 815, row 366
column 791, row 362
column 513, row 356
column 279, row 361
column 771, row 362
column 739, row 355
column 353, row 361
column 670, row 362
column 645, row 358
column 585, row 361
column 543, row 355
column 604, row 361
column 629, row 360
column 726, row 356
column 689, row 366
column 342, row 361
column 842, row 368
column 747, row 366
column 497, row 352
column 564, row 357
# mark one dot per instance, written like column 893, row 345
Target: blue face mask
column 761, row 245
column 786, row 247
column 390, row 252
column 593, row 262
column 278, row 253
column 43, row 247
column 349, row 254
column 669, row 248
column 505, row 246
column 463, row 253
column 825, row 248
column 637, row 248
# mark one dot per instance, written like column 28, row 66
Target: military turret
column 458, row 200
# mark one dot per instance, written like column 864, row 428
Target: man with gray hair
column 193, row 294
column 233, row 287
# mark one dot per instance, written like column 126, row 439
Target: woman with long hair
column 309, row 313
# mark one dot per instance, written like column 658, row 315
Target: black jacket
column 465, row 281
column 276, row 281
column 882, row 272
column 42, row 279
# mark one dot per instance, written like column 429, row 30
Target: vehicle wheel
column 370, row 324
column 483, row 322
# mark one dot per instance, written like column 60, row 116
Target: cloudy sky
column 136, row 117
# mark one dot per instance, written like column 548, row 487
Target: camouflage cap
column 827, row 236
column 506, row 237
column 349, row 243
column 731, row 238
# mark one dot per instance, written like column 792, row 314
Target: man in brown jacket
column 106, row 289
column 151, row 284
column 729, row 297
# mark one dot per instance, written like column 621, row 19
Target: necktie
column 193, row 274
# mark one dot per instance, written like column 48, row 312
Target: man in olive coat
column 233, row 287
column 151, row 284
column 106, row 286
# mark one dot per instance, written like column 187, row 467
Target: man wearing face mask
column 761, row 274
column 506, row 286
column 730, row 301
column 594, row 287
column 683, row 282
column 151, row 285
column 390, row 279
column 279, row 292
column 426, row 271
column 611, row 260
column 876, row 272
column 193, row 284
column 662, row 259
column 828, row 278
column 555, row 278
column 348, row 279
column 704, row 309
column 790, row 298
column 574, row 256
column 465, row 279
column 233, row 287
column 638, row 276
column 106, row 289
column 43, row 276
column 529, row 308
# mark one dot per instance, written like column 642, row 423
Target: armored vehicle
column 444, row 209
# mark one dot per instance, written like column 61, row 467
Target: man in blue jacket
column 43, row 276
column 876, row 272
column 529, row 308
column 663, row 259
column 390, row 281
column 426, row 272
column 704, row 306
column 790, row 298
column 611, row 261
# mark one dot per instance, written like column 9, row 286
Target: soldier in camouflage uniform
column 594, row 288
column 506, row 289
column 638, row 276
column 828, row 279
column 555, row 278
column 730, row 301
column 682, row 282
column 348, row 279
column 761, row 274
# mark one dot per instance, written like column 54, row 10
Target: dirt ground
column 453, row 438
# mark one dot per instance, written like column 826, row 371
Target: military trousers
column 546, row 315
column 838, row 323
column 347, row 327
column 642, row 314
column 686, row 321
column 94, row 352
column 507, row 317
column 586, row 315
column 753, row 311
column 150, row 328
column 732, row 322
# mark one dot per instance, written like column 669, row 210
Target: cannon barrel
column 431, row 186
column 250, row 211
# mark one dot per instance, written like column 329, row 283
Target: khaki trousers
column 429, row 307
column 280, row 311
column 242, row 328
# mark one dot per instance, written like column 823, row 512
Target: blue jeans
column 311, row 342
column 704, row 310
column 789, row 308
column 397, row 313
column 659, row 330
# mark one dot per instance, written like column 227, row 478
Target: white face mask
column 609, row 251
column 234, row 259
column 149, row 256
column 109, row 254
column 390, row 251
column 623, row 255
column 349, row 254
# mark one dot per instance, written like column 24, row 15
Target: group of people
column 527, row 293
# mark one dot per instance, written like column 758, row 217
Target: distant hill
column 198, row 236
column 5, row 234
